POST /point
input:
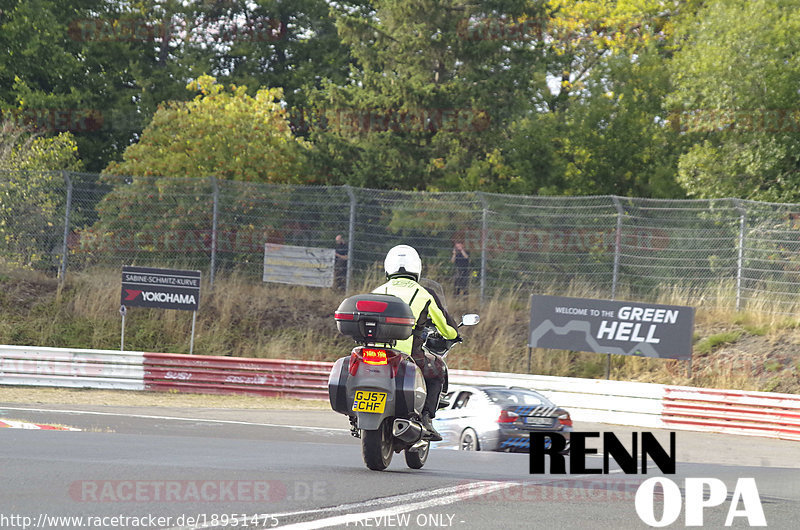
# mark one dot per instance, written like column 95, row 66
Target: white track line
column 177, row 418
column 420, row 499
column 472, row 490
column 424, row 499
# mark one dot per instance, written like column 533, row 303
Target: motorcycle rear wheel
column 417, row 459
column 376, row 446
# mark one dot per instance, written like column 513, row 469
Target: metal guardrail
column 73, row 368
column 616, row 402
column 236, row 375
column 733, row 412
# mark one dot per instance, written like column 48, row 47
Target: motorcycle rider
column 403, row 267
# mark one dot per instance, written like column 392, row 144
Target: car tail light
column 565, row 420
column 343, row 316
column 506, row 416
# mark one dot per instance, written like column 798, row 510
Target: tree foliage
column 735, row 97
column 630, row 97
column 101, row 68
column 32, row 193
column 221, row 132
column 428, row 102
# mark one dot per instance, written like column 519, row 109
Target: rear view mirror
column 470, row 319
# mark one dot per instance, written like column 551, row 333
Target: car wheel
column 469, row 440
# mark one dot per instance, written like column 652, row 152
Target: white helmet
column 403, row 259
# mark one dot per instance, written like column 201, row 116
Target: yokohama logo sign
column 161, row 288
column 150, row 296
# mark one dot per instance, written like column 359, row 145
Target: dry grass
column 69, row 396
column 754, row 350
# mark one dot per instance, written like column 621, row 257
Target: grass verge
column 244, row 317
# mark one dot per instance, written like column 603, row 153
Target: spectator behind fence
column 460, row 258
column 340, row 264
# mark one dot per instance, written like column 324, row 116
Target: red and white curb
column 14, row 424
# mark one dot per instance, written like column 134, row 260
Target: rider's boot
column 430, row 433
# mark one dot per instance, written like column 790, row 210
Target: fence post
column 67, row 207
column 484, row 236
column 615, row 273
column 740, row 260
column 617, row 245
column 351, row 232
column 214, row 229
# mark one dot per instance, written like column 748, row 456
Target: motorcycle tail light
column 400, row 320
column 371, row 306
column 375, row 356
column 355, row 358
column 506, row 416
column 394, row 361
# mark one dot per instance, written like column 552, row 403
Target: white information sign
column 298, row 265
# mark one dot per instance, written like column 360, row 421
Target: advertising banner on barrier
column 298, row 265
column 605, row 326
column 161, row 288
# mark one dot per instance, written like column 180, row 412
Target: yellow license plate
column 369, row 401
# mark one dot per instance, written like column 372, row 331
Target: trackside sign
column 161, row 288
column 604, row 326
column 299, row 265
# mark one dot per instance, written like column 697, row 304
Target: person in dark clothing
column 460, row 258
column 340, row 264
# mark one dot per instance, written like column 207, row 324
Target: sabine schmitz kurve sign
column 161, row 288
column 605, row 326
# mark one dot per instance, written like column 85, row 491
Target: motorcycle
column 380, row 389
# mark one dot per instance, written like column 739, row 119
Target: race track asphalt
column 301, row 469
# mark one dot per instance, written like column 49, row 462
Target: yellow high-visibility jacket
column 419, row 299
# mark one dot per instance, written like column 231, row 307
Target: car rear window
column 516, row 397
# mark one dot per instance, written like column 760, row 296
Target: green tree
column 224, row 133
column 601, row 127
column 610, row 138
column 100, row 68
column 62, row 74
column 735, row 98
column 32, row 193
column 428, row 104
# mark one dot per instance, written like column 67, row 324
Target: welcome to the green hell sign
column 605, row 326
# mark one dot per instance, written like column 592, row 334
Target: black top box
column 375, row 318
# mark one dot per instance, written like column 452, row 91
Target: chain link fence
column 744, row 252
